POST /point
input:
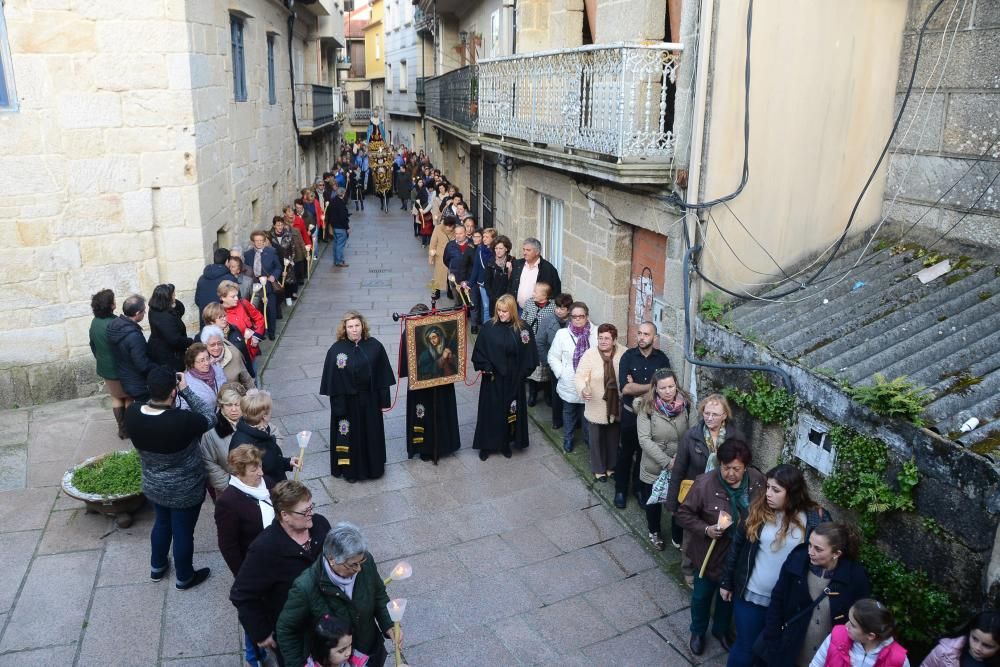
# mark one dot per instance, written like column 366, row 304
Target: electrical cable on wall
column 843, row 236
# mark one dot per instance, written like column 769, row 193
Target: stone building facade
column 951, row 132
column 131, row 155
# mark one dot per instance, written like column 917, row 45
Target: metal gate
column 474, row 167
column 489, row 189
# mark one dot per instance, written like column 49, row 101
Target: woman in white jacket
column 567, row 349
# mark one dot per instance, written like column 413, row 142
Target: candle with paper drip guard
column 263, row 296
column 724, row 522
column 303, row 439
column 403, row 570
column 396, row 609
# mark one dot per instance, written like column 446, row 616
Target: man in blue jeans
column 173, row 472
column 338, row 217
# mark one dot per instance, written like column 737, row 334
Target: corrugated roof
column 944, row 335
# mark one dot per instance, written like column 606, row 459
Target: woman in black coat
column 168, row 337
column 254, row 428
column 276, row 558
column 818, row 583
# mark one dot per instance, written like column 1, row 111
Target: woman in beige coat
column 597, row 385
column 661, row 419
column 439, row 239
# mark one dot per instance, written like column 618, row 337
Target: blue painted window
column 236, row 27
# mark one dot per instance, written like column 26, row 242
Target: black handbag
column 759, row 648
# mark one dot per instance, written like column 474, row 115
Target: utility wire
column 885, row 149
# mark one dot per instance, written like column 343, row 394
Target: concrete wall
column 954, row 123
column 126, row 162
column 820, row 111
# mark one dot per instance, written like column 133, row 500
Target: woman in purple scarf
column 564, row 357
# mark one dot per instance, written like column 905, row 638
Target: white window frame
column 388, row 77
column 550, row 229
column 496, row 34
column 9, row 93
column 402, row 76
column 378, row 47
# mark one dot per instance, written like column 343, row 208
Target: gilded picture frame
column 436, row 349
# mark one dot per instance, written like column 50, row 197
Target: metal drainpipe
column 694, row 192
column 291, row 79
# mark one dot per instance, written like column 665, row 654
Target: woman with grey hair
column 344, row 583
column 224, row 354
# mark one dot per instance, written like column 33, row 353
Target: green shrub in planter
column 115, row 475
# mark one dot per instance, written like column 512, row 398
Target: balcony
column 423, row 22
column 316, row 107
column 360, row 116
column 454, row 98
column 418, row 92
column 602, row 109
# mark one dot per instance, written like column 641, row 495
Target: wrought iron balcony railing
column 419, row 92
column 612, row 100
column 454, row 97
column 316, row 106
column 360, row 116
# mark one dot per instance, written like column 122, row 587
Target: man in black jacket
column 529, row 270
column 213, row 274
column 338, row 217
column 129, row 347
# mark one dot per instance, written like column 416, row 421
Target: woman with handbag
column 780, row 519
column 816, row 587
column 661, row 420
column 729, row 488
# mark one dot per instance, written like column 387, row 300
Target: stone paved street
column 516, row 562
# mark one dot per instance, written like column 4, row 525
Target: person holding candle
column 254, row 428
column 779, row 520
column 718, row 499
column 286, row 547
column 818, row 583
column 344, row 583
column 356, row 377
column 241, row 316
column 202, row 376
column 696, row 454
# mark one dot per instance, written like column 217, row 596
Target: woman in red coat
column 242, row 315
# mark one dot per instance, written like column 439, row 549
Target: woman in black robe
column 506, row 354
column 431, row 414
column 356, row 377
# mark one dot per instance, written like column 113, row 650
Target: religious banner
column 436, row 349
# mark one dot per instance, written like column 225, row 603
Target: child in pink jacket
column 978, row 645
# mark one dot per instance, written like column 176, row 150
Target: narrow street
column 515, row 561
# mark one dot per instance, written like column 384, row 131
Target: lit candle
column 724, row 522
column 303, row 438
column 396, row 609
column 403, row 570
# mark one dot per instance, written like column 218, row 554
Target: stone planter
column 119, row 507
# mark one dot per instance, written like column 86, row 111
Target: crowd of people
column 773, row 577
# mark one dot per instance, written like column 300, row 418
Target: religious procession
column 434, row 333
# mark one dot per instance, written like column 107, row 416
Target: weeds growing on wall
column 765, row 401
column 897, row 398
column 922, row 610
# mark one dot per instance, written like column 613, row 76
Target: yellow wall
column 823, row 82
column 375, row 31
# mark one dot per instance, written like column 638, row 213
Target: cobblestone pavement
column 519, row 561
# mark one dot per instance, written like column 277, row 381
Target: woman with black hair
column 102, row 305
column 817, row 585
column 977, row 646
column 780, row 519
column 168, row 339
